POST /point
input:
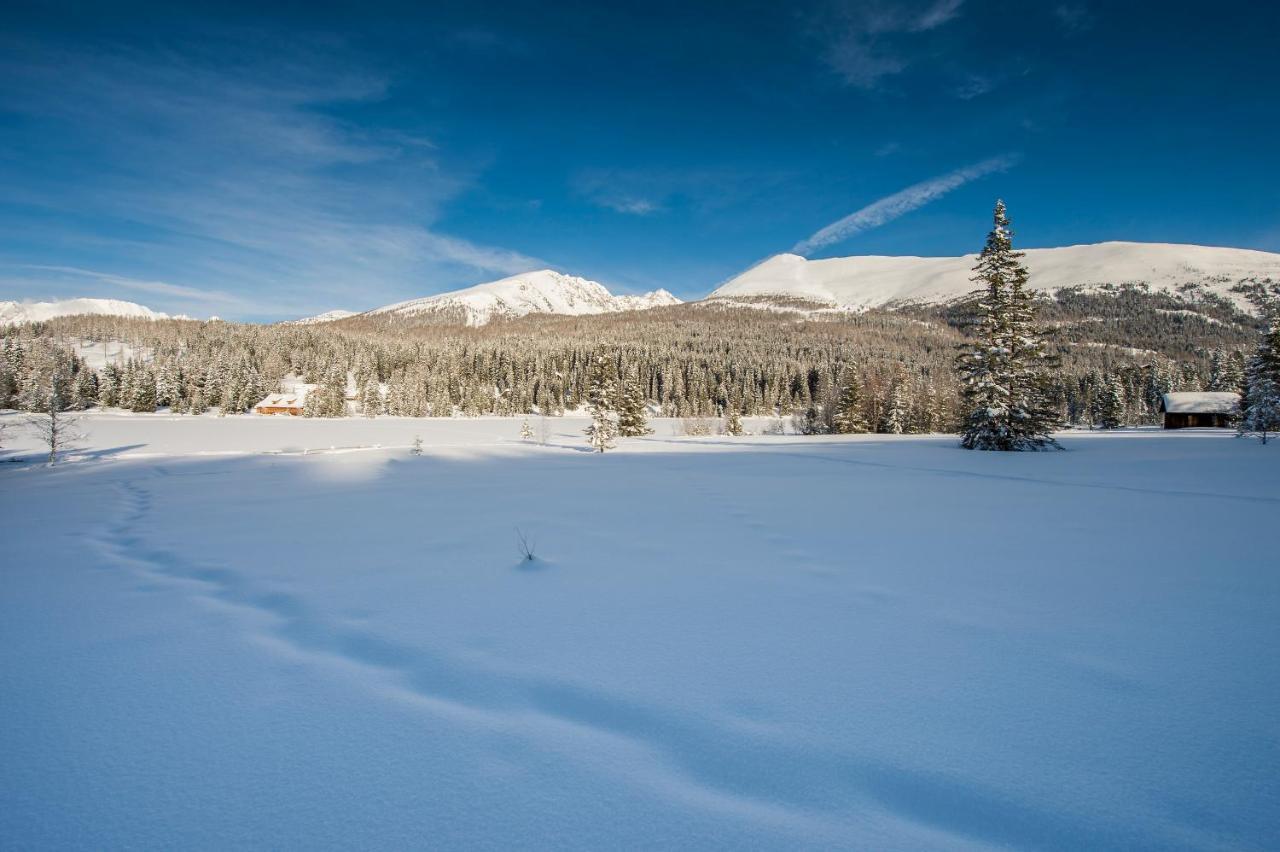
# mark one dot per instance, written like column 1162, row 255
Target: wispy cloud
column 1074, row 17
column 647, row 191
column 194, row 299
column 902, row 202
column 864, row 39
column 231, row 166
column 973, row 86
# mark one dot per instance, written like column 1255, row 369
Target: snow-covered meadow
column 280, row 633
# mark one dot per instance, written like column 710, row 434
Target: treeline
column 890, row 371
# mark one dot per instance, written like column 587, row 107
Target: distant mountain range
column 14, row 313
column 542, row 292
column 872, row 282
column 840, row 283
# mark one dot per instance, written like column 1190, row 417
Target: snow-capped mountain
column 542, row 292
column 15, row 313
column 871, row 281
column 327, row 316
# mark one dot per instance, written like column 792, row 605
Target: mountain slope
column 542, row 292
column 15, row 313
column 871, row 281
column 327, row 316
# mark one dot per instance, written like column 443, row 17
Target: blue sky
column 267, row 161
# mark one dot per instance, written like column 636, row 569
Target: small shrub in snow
column 416, row 449
column 696, row 427
column 527, row 547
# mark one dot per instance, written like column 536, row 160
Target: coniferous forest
column 895, row 369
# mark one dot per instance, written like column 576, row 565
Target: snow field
column 763, row 642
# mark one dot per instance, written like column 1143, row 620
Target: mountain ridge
column 17, row 313
column 862, row 282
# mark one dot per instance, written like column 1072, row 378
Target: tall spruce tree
column 848, row 418
column 1261, row 403
column 1004, row 372
column 632, row 419
column 897, row 417
column 600, row 397
column 1111, row 403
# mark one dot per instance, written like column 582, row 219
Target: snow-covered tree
column 897, row 416
column 370, row 397
column 600, row 394
column 1261, row 402
column 53, row 426
column 1110, row 404
column 328, row 398
column 632, row 418
column 848, row 418
column 733, row 423
column 1004, row 372
column 526, row 431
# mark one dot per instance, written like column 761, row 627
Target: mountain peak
column 541, row 291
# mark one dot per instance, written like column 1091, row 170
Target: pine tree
column 632, row 418
column 328, row 398
column 1004, row 373
column 1111, row 404
column 848, row 418
column 142, row 397
column 733, row 423
column 600, row 394
column 1261, row 412
column 897, row 418
column 370, row 398
column 416, row 448
column 526, row 431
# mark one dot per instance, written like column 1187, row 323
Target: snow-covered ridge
column 542, row 292
column 874, row 281
column 16, row 313
column 327, row 316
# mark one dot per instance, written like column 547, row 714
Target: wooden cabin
column 1211, row 409
column 282, row 403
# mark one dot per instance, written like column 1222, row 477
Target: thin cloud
column 863, row 39
column 648, row 191
column 901, row 203
column 229, row 167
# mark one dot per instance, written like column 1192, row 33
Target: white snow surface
column 542, row 292
column 16, row 313
column 327, row 316
column 872, row 281
column 247, row 632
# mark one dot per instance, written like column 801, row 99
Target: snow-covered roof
column 294, row 399
column 1201, row 402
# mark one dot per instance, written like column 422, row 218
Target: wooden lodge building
column 282, row 403
column 1214, row 409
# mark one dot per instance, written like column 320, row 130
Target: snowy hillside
column 327, row 316
column 542, row 292
column 871, row 281
column 14, row 313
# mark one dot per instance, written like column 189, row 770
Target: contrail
column 902, row 202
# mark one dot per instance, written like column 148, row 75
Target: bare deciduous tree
column 56, row 428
